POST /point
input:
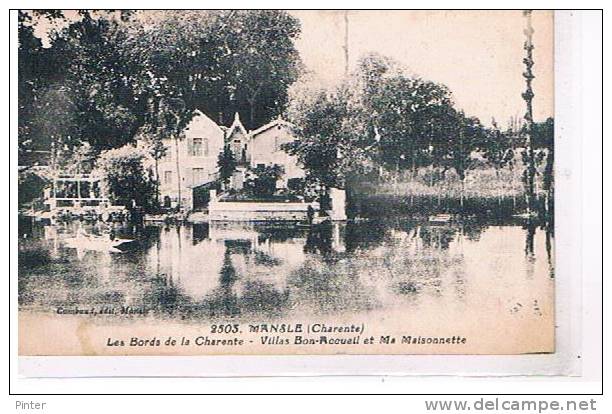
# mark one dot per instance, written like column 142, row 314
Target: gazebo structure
column 77, row 194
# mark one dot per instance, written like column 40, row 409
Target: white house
column 265, row 148
column 198, row 152
column 262, row 147
column 237, row 138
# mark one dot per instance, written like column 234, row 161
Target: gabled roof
column 201, row 119
column 276, row 122
column 236, row 125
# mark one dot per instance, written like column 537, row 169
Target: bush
column 262, row 180
column 124, row 177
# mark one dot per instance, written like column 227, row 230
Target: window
column 167, row 177
column 198, row 176
column 200, row 147
column 277, row 143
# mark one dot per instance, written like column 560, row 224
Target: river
column 247, row 271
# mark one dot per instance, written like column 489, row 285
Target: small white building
column 265, row 148
column 262, row 147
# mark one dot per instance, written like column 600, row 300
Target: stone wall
column 258, row 211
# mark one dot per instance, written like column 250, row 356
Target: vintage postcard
column 269, row 182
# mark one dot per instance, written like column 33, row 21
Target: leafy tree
column 222, row 62
column 55, row 125
column 543, row 137
column 115, row 69
column 262, row 180
column 157, row 150
column 262, row 62
column 543, row 140
column 105, row 77
column 468, row 134
column 226, row 164
column 498, row 147
column 379, row 117
column 124, row 177
column 37, row 71
column 415, row 121
column 332, row 143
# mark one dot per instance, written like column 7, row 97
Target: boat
column 96, row 243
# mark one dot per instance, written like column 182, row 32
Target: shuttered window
column 198, row 147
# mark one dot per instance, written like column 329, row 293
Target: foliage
column 78, row 159
column 31, row 186
column 226, row 164
column 498, row 147
column 113, row 72
column 467, row 134
column 333, row 142
column 261, row 61
column 156, row 148
column 413, row 117
column 380, row 117
column 124, row 177
column 262, row 179
column 543, row 135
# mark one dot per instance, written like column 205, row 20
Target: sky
column 477, row 54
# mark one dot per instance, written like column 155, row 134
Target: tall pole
column 346, row 47
column 528, row 97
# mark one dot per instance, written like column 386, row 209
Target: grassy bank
column 485, row 191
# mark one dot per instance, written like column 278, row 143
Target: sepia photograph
column 286, row 182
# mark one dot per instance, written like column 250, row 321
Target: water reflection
column 547, row 226
column 221, row 270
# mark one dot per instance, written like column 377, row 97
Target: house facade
column 198, row 154
column 265, row 148
column 197, row 157
column 262, row 147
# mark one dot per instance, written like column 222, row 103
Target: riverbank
column 484, row 192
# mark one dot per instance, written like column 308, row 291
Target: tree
column 262, row 181
column 379, row 116
column 115, row 69
column 543, row 134
column 226, row 164
column 124, row 177
column 55, row 125
column 262, row 62
column 415, row 117
column 332, row 142
column 157, row 150
column 222, row 62
column 37, row 71
column 498, row 149
column 469, row 133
